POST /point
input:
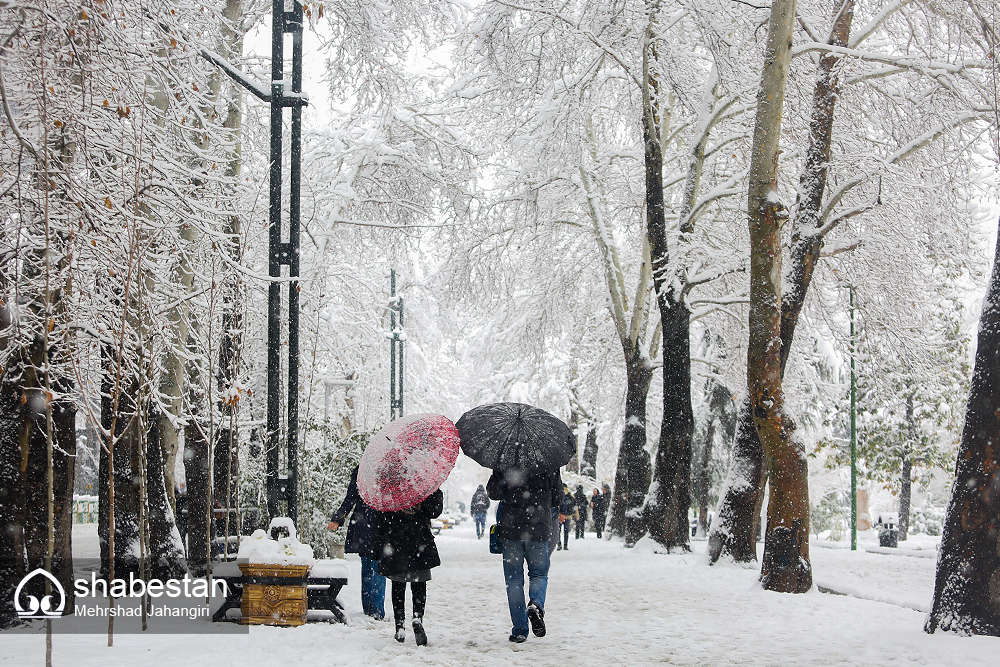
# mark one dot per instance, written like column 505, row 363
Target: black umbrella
column 515, row 436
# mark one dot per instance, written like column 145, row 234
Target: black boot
column 537, row 618
column 418, row 631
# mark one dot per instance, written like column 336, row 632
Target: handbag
column 495, row 546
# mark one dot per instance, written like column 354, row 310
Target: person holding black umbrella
column 525, row 447
column 524, row 532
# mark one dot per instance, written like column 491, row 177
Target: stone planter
column 269, row 601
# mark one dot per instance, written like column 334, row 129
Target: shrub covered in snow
column 928, row 520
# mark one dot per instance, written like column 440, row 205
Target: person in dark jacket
column 524, row 530
column 566, row 505
column 359, row 541
column 480, row 503
column 600, row 511
column 607, row 498
column 581, row 507
column 407, row 553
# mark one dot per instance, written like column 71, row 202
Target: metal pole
column 399, row 303
column 274, row 260
column 854, row 438
column 392, row 344
column 293, row 24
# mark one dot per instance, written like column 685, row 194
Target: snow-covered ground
column 606, row 606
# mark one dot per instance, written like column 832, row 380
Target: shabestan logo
column 39, row 608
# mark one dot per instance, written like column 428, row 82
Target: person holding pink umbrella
column 400, row 475
column 407, row 553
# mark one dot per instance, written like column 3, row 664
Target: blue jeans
column 372, row 588
column 515, row 553
column 480, row 518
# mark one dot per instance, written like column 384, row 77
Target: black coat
column 581, row 503
column 359, row 530
column 480, row 501
column 527, row 503
column 566, row 503
column 598, row 502
column 404, row 539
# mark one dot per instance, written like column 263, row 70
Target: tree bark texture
column 967, row 583
column 721, row 416
column 785, row 566
column 633, row 472
column 807, row 242
column 588, row 466
column 165, row 547
column 122, row 423
column 737, row 517
column 665, row 512
column 196, row 457
column 24, row 469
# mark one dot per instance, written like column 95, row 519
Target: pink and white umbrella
column 407, row 461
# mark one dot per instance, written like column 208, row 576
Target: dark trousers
column 565, row 527
column 599, row 525
column 418, row 589
column 580, row 525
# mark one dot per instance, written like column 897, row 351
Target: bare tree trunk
column 125, row 477
column 745, row 487
column 588, row 467
column 196, row 453
column 665, row 512
column 785, row 566
column 968, row 568
column 906, row 469
column 633, row 472
column 721, row 414
column 165, row 544
column 737, row 518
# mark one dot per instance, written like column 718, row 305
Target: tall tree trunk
column 165, row 546
column 906, row 469
column 633, row 473
column 721, row 414
column 196, row 456
column 665, row 513
column 573, row 465
column 737, row 518
column 967, row 584
column 125, row 476
column 745, row 487
column 588, row 467
column 666, row 510
column 785, row 566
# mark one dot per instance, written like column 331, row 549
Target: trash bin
column 888, row 537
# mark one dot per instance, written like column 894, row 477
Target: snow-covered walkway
column 606, row 606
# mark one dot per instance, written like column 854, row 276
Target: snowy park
column 473, row 332
column 606, row 606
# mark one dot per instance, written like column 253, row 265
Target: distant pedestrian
column 600, row 511
column 607, row 498
column 359, row 541
column 581, row 511
column 407, row 553
column 480, row 503
column 566, row 505
column 524, row 530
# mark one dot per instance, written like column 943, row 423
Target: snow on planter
column 259, row 548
